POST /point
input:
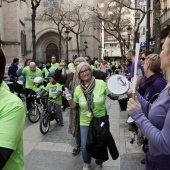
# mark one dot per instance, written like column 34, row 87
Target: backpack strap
column 149, row 102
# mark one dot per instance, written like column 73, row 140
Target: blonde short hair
column 79, row 67
column 154, row 62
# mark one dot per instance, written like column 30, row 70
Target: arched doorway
column 51, row 50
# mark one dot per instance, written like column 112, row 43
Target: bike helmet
column 38, row 80
column 51, row 74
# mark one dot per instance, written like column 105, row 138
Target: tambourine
column 118, row 84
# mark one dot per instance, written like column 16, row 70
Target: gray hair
column 79, row 59
column 132, row 52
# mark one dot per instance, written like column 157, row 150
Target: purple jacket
column 128, row 70
column 12, row 71
column 154, row 84
column 156, row 127
column 129, row 67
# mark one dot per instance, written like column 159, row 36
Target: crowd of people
column 86, row 95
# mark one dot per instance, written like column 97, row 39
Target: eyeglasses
column 87, row 59
column 84, row 71
column 143, row 58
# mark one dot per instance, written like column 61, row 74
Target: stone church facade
column 16, row 34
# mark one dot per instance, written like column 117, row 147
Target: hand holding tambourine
column 118, row 84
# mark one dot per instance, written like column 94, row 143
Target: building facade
column 16, row 32
column 110, row 44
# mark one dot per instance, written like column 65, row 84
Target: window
column 143, row 30
column 100, row 5
column 106, row 45
column 124, row 36
column 111, row 4
column 110, row 12
column 109, row 37
column 143, row 8
column 23, row 43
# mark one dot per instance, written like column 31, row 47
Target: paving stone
column 131, row 161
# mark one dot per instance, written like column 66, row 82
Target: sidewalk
column 54, row 150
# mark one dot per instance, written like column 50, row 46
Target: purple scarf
column 149, row 81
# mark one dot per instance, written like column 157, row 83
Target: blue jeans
column 78, row 138
column 85, row 154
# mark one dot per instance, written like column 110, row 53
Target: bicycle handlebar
column 44, row 97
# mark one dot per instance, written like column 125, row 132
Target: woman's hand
column 130, row 89
column 133, row 105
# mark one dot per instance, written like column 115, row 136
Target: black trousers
column 29, row 100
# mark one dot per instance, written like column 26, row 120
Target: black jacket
column 99, row 139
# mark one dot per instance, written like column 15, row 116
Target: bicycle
column 34, row 113
column 47, row 118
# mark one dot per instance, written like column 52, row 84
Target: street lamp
column 67, row 38
column 124, row 52
column 85, row 42
column 129, row 33
column 148, row 5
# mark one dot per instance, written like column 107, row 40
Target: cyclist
column 38, row 86
column 54, row 90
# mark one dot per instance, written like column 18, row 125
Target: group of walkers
column 86, row 95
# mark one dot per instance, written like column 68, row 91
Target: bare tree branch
column 127, row 6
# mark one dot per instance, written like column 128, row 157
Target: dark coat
column 66, row 79
column 99, row 139
column 12, row 71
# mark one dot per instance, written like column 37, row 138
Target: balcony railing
column 165, row 18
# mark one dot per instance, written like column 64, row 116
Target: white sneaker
column 98, row 167
column 86, row 166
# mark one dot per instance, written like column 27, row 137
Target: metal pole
column 148, row 26
column 128, row 41
column 85, row 51
column 67, row 48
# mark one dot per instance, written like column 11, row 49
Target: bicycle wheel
column 34, row 114
column 44, row 124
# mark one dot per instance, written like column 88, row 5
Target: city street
column 47, row 46
column 53, row 151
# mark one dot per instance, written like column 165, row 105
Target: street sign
column 143, row 44
column 151, row 43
